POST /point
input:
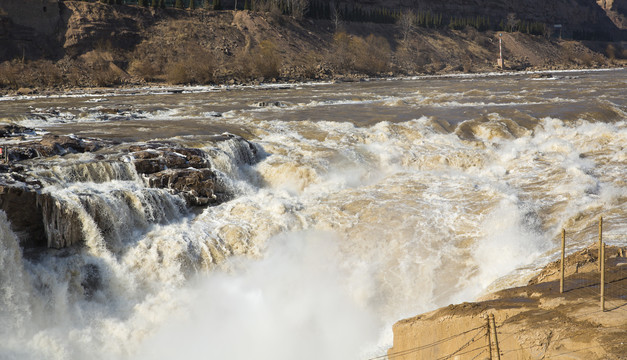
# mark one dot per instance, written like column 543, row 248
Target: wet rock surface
column 196, row 185
column 185, row 171
column 21, row 204
column 51, row 145
column 42, row 219
column 11, row 130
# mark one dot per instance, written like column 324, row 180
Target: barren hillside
column 79, row 43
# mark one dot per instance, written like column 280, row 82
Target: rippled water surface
column 367, row 202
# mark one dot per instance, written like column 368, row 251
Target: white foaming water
column 337, row 232
column 290, row 305
column 88, row 171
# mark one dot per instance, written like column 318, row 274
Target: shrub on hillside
column 47, row 73
column 467, row 65
column 103, row 75
column 341, row 56
column 411, row 59
column 369, row 56
column 194, row 67
column 265, row 60
column 10, row 75
column 178, row 73
column 372, row 55
column 144, row 69
column 241, row 66
column 307, row 65
column 39, row 73
column 262, row 61
column 610, row 51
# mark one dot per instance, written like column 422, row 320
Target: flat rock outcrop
column 532, row 322
column 51, row 145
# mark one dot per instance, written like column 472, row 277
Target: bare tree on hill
column 298, row 8
column 406, row 23
column 336, row 16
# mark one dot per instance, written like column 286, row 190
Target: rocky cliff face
column 616, row 10
column 30, row 29
column 88, row 25
column 43, row 16
column 52, row 28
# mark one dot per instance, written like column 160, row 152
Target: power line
column 426, row 346
column 476, row 356
column 472, row 340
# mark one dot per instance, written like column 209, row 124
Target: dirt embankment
column 103, row 45
column 532, row 322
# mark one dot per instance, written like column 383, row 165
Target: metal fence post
column 600, row 238
column 602, row 277
column 496, row 340
column 489, row 338
column 562, row 263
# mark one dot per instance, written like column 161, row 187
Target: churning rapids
column 357, row 204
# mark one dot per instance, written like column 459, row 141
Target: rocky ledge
column 183, row 170
column 42, row 220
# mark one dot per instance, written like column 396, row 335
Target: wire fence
column 507, row 339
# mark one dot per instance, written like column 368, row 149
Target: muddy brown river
column 364, row 203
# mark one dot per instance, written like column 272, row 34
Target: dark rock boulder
column 144, row 154
column 195, row 158
column 23, row 209
column 152, row 158
column 264, row 104
column 14, row 130
column 184, row 171
column 149, row 166
column 51, row 145
column 38, row 219
column 64, row 141
column 196, row 185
